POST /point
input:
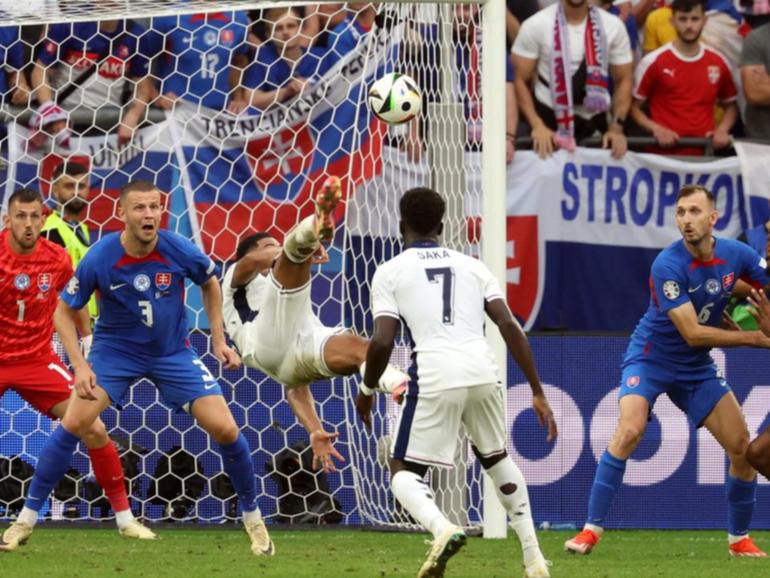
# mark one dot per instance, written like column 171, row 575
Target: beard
column 75, row 205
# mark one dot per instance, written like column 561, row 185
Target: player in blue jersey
column 690, row 283
column 139, row 275
column 196, row 54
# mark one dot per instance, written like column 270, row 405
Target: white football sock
column 302, row 241
column 251, row 517
column 123, row 519
column 390, row 379
column 28, row 516
column 415, row 496
column 517, row 505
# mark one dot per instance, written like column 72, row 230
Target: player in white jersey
column 268, row 314
column 442, row 298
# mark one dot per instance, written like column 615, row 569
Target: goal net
column 254, row 105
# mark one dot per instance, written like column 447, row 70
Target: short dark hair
column 691, row 189
column 249, row 243
column 422, row 209
column 687, row 5
column 141, row 186
column 69, row 168
column 25, row 195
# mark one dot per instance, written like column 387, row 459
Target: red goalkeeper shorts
column 43, row 382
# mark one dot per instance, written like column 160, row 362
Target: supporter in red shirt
column 681, row 82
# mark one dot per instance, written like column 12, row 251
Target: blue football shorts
column 181, row 377
column 695, row 391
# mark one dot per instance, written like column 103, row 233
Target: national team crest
column 523, row 267
column 141, row 282
column 714, row 74
column 21, row 282
column 226, row 37
column 163, row 281
column 728, row 280
column 712, row 287
column 44, row 282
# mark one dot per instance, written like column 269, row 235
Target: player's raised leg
column 214, row 416
column 292, row 268
column 54, row 460
column 727, row 425
column 632, row 423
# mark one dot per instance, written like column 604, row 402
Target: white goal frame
column 494, row 243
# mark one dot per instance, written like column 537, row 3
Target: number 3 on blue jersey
column 146, row 307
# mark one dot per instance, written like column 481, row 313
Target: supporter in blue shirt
column 198, row 53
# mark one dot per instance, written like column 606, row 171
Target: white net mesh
column 252, row 111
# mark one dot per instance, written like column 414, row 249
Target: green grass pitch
column 189, row 553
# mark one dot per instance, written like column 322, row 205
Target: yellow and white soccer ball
column 395, row 98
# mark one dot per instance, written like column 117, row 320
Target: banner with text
column 584, row 229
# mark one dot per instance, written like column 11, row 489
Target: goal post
column 228, row 173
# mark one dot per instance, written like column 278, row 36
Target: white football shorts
column 429, row 424
column 286, row 340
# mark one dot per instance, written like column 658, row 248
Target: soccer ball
column 395, row 98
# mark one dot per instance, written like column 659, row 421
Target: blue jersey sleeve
column 754, row 267
column 139, row 65
column 80, row 288
column 669, row 284
column 198, row 266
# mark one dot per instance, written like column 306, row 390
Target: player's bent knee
column 628, row 435
column 489, row 461
column 96, row 435
column 77, row 426
column 225, row 434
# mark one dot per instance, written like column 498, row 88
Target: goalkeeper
column 268, row 314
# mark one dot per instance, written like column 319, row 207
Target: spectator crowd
column 670, row 70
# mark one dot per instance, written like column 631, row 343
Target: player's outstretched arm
column 212, row 303
column 696, row 335
column 254, row 263
column 303, row 405
column 518, row 344
column 64, row 320
column 377, row 357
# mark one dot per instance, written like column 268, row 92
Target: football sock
column 511, row 489
column 415, row 496
column 28, row 516
column 741, row 496
column 236, row 458
column 607, row 481
column 302, row 241
column 123, row 518
column 55, row 458
column 108, row 472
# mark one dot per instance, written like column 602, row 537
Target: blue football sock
column 54, row 461
column 608, row 479
column 741, row 496
column 238, row 465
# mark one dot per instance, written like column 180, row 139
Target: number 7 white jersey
column 439, row 294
